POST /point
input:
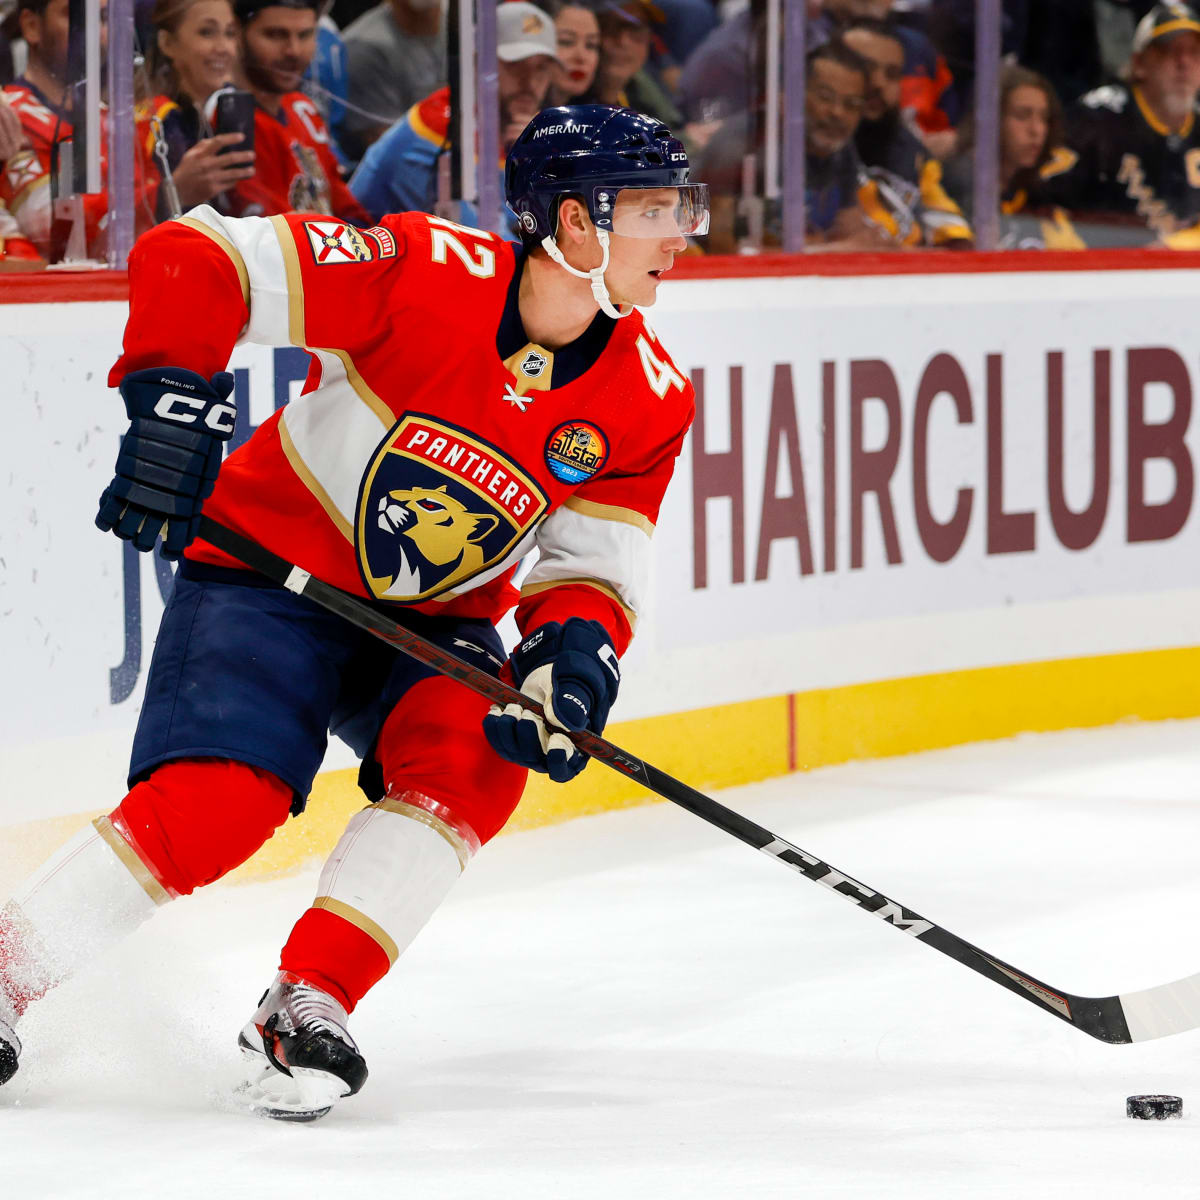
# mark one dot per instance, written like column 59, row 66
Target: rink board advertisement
column 914, row 510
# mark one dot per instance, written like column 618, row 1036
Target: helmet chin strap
column 595, row 276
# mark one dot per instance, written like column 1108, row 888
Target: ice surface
column 636, row 1005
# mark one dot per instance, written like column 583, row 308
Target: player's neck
column 556, row 308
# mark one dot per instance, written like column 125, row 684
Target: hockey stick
column 1132, row 1017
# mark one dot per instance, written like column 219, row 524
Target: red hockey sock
column 329, row 952
column 195, row 819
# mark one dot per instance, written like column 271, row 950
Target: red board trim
column 62, row 287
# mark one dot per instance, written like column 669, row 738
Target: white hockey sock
column 78, row 904
column 392, row 868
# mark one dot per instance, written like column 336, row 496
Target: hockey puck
column 1154, row 1108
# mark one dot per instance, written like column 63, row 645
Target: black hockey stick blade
column 1131, row 1017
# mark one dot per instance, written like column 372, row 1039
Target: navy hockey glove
column 571, row 671
column 168, row 462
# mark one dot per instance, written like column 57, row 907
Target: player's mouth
column 578, row 76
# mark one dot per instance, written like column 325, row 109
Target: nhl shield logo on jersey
column 533, row 364
column 575, row 451
column 439, row 506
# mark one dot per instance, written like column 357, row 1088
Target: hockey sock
column 185, row 826
column 393, row 866
column 88, row 896
column 432, row 742
column 196, row 819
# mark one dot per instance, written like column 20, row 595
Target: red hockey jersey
column 294, row 167
column 418, row 467
column 25, row 181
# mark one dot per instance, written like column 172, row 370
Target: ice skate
column 10, row 1048
column 300, row 1059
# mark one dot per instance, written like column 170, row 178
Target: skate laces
column 308, row 1007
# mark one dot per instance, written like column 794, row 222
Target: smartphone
column 234, row 113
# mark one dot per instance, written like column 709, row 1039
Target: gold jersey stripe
column 130, row 861
column 235, row 257
column 534, row 589
column 610, row 512
column 295, row 285
column 311, row 482
column 361, row 389
column 360, row 920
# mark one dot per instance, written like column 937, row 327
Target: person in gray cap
column 1133, row 174
column 399, row 172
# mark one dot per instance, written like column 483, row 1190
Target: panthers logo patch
column 575, row 451
column 437, row 507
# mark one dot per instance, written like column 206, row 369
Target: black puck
column 1154, row 1108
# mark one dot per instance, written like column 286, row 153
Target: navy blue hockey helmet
column 594, row 151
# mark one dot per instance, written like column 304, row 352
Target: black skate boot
column 10, row 1048
column 301, row 1058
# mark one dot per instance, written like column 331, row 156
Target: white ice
column 636, row 1005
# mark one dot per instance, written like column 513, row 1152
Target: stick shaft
column 1101, row 1017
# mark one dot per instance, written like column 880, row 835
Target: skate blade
column 305, row 1095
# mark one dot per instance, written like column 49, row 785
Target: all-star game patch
column 575, row 451
column 334, row 242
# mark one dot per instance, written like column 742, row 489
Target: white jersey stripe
column 576, row 545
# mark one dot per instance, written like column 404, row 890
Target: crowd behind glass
column 262, row 106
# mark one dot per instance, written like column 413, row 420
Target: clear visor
column 665, row 212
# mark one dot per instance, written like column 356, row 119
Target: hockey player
column 469, row 400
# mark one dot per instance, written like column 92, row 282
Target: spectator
column 396, row 54
column 1032, row 150
column 903, row 191
column 926, row 87
column 17, row 253
column 725, row 75
column 686, row 23
column 1136, row 146
column 194, row 52
column 1058, row 40
column 836, row 91
column 624, row 78
column 399, row 172
column 42, row 100
column 295, row 167
column 578, row 36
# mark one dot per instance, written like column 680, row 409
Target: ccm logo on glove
column 179, row 423
column 218, row 417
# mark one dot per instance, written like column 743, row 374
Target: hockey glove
column 571, row 671
column 168, row 461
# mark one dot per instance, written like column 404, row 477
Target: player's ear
column 573, row 220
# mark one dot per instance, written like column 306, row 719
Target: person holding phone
column 194, row 53
column 295, row 167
